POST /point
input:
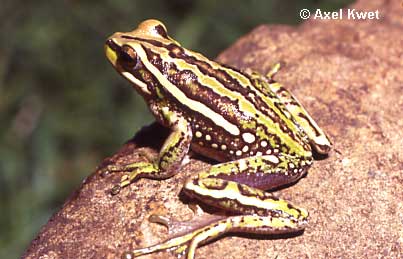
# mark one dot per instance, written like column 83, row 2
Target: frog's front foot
column 132, row 172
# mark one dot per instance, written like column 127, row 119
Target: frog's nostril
column 112, row 45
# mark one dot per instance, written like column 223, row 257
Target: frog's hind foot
column 184, row 236
column 180, row 228
column 185, row 243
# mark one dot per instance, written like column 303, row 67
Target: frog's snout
column 111, row 49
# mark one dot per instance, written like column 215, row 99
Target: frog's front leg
column 227, row 186
column 171, row 155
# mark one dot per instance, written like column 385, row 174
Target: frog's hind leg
column 238, row 198
column 227, row 186
column 181, row 234
column 187, row 243
column 249, row 209
column 261, row 212
column 317, row 137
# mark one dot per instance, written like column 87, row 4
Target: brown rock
column 348, row 74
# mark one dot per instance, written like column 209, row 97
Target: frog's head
column 131, row 53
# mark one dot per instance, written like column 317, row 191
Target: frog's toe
column 107, row 170
column 163, row 220
column 197, row 210
column 116, row 189
column 174, row 227
column 127, row 255
column 124, row 181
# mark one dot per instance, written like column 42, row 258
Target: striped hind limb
column 187, row 244
column 316, row 135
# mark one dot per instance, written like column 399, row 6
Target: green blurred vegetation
column 63, row 108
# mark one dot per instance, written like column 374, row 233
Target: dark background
column 63, row 108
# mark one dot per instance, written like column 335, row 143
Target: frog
column 259, row 134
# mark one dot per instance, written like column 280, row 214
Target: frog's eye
column 161, row 30
column 128, row 57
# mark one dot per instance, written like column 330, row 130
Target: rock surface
column 348, row 74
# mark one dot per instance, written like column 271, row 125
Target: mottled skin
column 252, row 125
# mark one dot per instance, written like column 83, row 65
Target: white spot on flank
column 208, row 137
column 214, row 145
column 238, row 152
column 248, row 137
column 198, row 134
column 273, row 159
column 223, row 147
column 259, row 153
column 245, row 149
column 231, row 152
column 242, row 165
column 263, row 143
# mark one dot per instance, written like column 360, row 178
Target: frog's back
column 232, row 114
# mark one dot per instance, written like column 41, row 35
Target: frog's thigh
column 237, row 185
column 241, row 199
column 317, row 137
column 262, row 172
